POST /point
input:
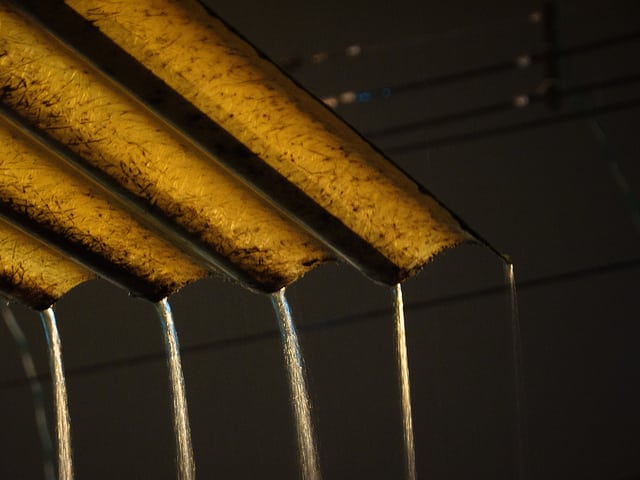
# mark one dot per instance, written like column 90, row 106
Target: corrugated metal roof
column 153, row 145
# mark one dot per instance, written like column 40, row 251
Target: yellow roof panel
column 154, row 139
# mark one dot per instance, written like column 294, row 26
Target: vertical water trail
column 37, row 393
column 403, row 372
column 63, row 424
column 518, row 378
column 185, row 462
column 309, row 464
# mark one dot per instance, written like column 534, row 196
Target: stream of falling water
column 185, row 463
column 403, row 371
column 63, row 426
column 518, row 377
column 309, row 465
column 37, row 393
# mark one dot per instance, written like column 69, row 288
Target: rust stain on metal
column 227, row 79
column 35, row 186
column 32, row 273
column 66, row 98
column 386, row 219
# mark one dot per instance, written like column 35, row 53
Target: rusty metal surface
column 37, row 190
column 64, row 97
column 33, row 274
column 251, row 177
column 227, row 79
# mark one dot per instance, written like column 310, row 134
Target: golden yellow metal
column 32, row 273
column 64, row 96
column 71, row 113
column 228, row 80
column 35, row 187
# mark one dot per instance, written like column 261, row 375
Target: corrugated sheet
column 152, row 139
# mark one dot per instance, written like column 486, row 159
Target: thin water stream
column 518, row 378
column 63, row 425
column 405, row 393
column 309, row 465
column 37, row 393
column 185, row 462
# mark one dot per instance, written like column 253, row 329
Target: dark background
column 558, row 196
